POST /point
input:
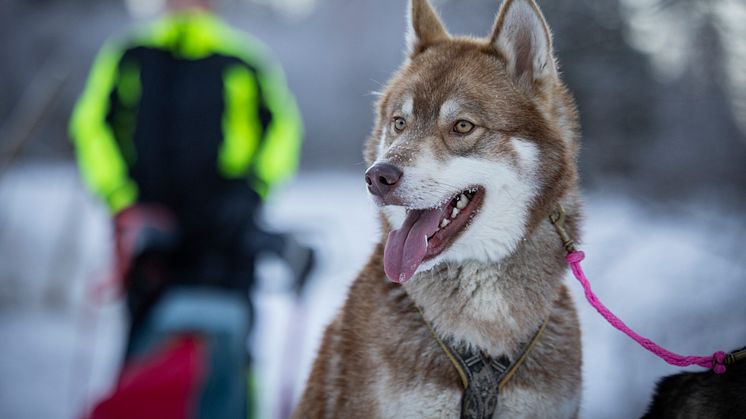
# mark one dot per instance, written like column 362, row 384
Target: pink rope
column 716, row 361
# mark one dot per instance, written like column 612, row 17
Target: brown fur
column 379, row 337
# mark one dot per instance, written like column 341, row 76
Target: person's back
column 187, row 103
column 183, row 128
column 191, row 105
column 188, row 114
column 179, row 114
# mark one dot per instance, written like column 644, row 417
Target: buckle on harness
column 558, row 220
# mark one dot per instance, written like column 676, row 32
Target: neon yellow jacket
column 260, row 123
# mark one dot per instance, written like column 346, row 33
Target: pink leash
column 716, row 361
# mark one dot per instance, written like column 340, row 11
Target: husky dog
column 474, row 146
column 701, row 395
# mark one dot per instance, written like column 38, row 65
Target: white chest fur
column 414, row 400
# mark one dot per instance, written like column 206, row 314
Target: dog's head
column 475, row 141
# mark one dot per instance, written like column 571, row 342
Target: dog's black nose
column 382, row 178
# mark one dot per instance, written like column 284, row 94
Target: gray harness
column 482, row 376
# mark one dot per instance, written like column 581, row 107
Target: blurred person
column 183, row 129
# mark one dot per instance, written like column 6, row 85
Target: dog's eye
column 399, row 124
column 463, row 126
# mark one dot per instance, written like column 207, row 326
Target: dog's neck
column 494, row 307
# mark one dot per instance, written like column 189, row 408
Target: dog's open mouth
column 426, row 233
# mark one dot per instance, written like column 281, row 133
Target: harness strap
column 446, row 350
column 734, row 357
column 522, row 358
column 482, row 376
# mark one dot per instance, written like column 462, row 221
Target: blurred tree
column 612, row 82
column 697, row 142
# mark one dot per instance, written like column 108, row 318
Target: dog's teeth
column 454, row 213
column 444, row 223
column 463, row 201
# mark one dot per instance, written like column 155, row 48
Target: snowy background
column 662, row 94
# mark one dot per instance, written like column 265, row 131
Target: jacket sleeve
column 262, row 125
column 279, row 153
column 100, row 158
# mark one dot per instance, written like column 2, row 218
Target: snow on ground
column 676, row 275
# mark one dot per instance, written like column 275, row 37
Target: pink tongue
column 406, row 247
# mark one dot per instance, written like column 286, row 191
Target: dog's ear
column 522, row 36
column 425, row 28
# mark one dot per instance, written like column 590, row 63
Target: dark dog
column 701, row 395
